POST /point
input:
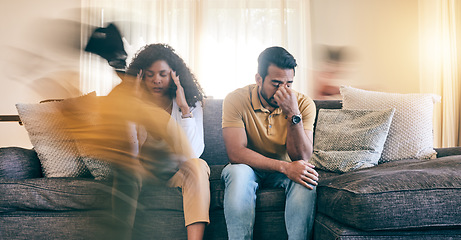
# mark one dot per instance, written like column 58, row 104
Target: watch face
column 296, row 119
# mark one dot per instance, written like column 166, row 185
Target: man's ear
column 259, row 79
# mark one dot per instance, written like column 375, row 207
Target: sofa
column 406, row 199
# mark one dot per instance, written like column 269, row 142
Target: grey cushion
column 347, row 140
column 19, row 163
column 68, row 225
column 326, row 228
column 54, row 194
column 404, row 194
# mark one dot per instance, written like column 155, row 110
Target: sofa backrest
column 215, row 150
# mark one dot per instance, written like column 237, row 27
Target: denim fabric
column 242, row 181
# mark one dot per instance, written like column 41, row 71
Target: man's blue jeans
column 241, row 183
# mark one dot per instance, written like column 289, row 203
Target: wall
column 383, row 38
column 40, row 57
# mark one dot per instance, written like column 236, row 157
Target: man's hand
column 301, row 172
column 286, row 100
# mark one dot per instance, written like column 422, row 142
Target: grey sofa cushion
column 155, row 197
column 19, row 163
column 404, row 194
column 326, row 228
column 67, row 225
column 54, row 194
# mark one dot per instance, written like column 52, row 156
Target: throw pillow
column 410, row 134
column 81, row 121
column 55, row 147
column 347, row 140
column 100, row 170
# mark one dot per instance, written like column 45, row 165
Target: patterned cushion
column 55, row 148
column 84, row 118
column 100, row 170
column 347, row 140
column 410, row 134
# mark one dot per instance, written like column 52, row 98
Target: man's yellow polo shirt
column 266, row 131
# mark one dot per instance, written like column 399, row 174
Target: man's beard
column 268, row 100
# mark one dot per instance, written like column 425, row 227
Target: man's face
column 276, row 77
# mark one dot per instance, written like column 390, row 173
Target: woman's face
column 157, row 78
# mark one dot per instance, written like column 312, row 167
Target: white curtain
column 220, row 40
column 439, row 61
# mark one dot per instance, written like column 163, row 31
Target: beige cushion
column 410, row 134
column 347, row 140
column 55, row 147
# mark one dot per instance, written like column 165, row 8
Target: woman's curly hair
column 154, row 52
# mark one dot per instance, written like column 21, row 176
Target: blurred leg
column 125, row 193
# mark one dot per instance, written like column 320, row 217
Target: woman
column 169, row 84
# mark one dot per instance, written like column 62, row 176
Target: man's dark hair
column 277, row 56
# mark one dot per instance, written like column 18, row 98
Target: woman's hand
column 180, row 96
column 137, row 84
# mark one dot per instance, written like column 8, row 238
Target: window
column 220, row 40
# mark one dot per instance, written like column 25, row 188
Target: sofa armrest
column 449, row 151
column 19, row 163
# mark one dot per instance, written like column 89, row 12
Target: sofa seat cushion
column 159, row 197
column 67, row 225
column 405, row 194
column 54, row 194
column 155, row 197
column 326, row 228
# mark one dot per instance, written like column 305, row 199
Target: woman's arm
column 193, row 128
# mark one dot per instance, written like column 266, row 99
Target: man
column 267, row 129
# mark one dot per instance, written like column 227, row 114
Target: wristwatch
column 295, row 119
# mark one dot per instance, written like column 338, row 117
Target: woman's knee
column 197, row 166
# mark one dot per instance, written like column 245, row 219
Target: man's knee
column 302, row 194
column 238, row 173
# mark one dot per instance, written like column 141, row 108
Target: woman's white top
column 192, row 127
